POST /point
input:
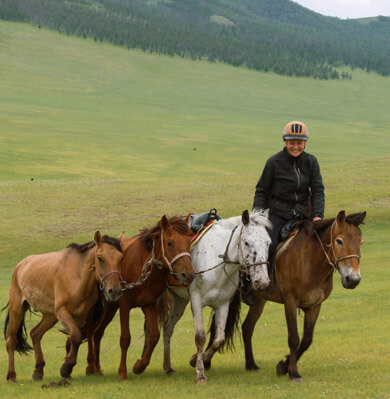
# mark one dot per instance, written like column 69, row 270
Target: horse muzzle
column 349, row 278
column 113, row 294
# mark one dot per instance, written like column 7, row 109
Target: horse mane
column 256, row 217
column 106, row 239
column 321, row 225
column 147, row 235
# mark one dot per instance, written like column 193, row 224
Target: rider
column 291, row 184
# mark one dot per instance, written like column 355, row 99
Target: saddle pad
column 196, row 237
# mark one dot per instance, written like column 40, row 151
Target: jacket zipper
column 297, row 172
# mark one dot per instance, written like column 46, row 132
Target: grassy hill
column 113, row 139
column 267, row 35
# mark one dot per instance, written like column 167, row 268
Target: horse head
column 254, row 243
column 108, row 258
column 345, row 245
column 175, row 242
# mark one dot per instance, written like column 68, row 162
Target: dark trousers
column 277, row 223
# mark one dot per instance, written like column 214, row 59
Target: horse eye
column 169, row 244
column 246, row 244
column 100, row 258
column 339, row 241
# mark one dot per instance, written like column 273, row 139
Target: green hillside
column 115, row 138
column 267, row 35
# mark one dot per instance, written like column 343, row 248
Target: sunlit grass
column 97, row 137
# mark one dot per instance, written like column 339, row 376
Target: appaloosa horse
column 62, row 286
column 229, row 245
column 304, row 279
column 148, row 258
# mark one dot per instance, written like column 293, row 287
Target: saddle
column 198, row 222
column 199, row 225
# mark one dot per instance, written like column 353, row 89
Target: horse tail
column 232, row 323
column 164, row 304
column 22, row 346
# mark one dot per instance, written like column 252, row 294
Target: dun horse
column 62, row 286
column 148, row 258
column 304, row 279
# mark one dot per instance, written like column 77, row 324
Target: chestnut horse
column 304, row 279
column 62, row 286
column 147, row 260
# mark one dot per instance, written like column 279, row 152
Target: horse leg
column 95, row 336
column 150, row 313
column 248, row 327
column 200, row 337
column 290, row 364
column 311, row 316
column 75, row 339
column 221, row 315
column 36, row 334
column 125, row 340
column 15, row 340
column 178, row 307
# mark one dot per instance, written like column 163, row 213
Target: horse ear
column 120, row 237
column 245, row 217
column 187, row 219
column 98, row 238
column 356, row 218
column 164, row 223
column 340, row 217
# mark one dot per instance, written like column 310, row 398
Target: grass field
column 100, row 137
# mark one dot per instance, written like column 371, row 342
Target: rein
column 147, row 267
column 225, row 257
column 335, row 264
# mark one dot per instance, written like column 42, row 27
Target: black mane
column 106, row 239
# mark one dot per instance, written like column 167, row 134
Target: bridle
column 147, row 267
column 334, row 264
column 225, row 257
column 100, row 278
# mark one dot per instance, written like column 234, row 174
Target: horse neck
column 322, row 252
column 88, row 278
column 232, row 252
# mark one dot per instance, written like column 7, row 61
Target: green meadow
column 96, row 137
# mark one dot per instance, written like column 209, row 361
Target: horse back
column 34, row 280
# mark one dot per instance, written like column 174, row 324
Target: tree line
column 265, row 35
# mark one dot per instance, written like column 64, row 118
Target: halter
column 335, row 264
column 147, row 267
column 225, row 257
column 101, row 279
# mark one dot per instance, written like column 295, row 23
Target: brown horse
column 304, row 279
column 63, row 286
column 147, row 260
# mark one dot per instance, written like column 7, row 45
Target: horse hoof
column 295, row 377
column 138, row 368
column 281, row 368
column 170, row 372
column 207, row 364
column 66, row 370
column 37, row 377
column 252, row 367
column 201, row 381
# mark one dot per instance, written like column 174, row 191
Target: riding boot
column 247, row 293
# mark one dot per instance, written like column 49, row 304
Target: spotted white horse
column 230, row 244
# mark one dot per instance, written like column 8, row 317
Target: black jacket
column 291, row 186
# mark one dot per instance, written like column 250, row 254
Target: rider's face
column 295, row 147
